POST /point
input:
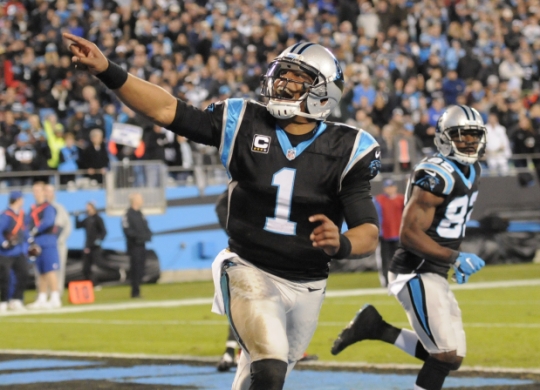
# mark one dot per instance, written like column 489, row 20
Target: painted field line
column 469, row 286
column 208, row 301
column 321, row 365
column 80, row 321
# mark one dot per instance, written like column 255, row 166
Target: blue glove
column 468, row 263
column 460, row 278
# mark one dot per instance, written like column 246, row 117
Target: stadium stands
column 404, row 61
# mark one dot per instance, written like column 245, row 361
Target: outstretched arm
column 143, row 97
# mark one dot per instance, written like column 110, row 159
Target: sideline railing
column 200, row 175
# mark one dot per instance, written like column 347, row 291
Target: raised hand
column 326, row 235
column 86, row 55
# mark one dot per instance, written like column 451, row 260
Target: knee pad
column 268, row 374
column 441, row 366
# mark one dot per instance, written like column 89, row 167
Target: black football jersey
column 442, row 177
column 276, row 186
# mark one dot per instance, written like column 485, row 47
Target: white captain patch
column 261, row 143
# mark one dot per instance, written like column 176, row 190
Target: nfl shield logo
column 291, row 154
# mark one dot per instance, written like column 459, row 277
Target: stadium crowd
column 404, row 62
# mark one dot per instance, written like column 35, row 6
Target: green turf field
column 502, row 324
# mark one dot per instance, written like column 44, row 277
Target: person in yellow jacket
column 55, row 138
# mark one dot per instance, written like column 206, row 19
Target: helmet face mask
column 461, row 135
column 305, row 80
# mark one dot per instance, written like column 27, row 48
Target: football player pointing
column 294, row 179
column 439, row 201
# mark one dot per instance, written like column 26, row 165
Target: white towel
column 218, row 306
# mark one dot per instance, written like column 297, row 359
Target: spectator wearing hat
column 13, row 252
column 390, row 205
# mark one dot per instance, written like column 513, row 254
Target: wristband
column 114, row 77
column 453, row 258
column 345, row 248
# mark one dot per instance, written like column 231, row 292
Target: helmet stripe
column 473, row 114
column 305, row 47
column 465, row 111
column 295, row 46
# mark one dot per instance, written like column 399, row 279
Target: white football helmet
column 460, row 119
column 321, row 96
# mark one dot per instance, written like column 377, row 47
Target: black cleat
column 368, row 324
column 226, row 362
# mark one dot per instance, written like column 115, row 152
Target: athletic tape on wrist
column 345, row 248
column 114, row 77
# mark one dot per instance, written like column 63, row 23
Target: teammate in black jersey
column 294, row 179
column 439, row 201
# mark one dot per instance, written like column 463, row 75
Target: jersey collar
column 472, row 172
column 292, row 152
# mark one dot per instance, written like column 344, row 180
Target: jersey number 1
column 280, row 224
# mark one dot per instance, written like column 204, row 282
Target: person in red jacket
column 390, row 205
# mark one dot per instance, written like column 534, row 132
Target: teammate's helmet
column 322, row 95
column 460, row 120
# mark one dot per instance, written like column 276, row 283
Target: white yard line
column 469, row 286
column 208, row 301
column 486, row 325
column 395, row 368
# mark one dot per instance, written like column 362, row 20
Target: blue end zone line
column 208, row 301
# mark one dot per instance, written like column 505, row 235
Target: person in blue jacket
column 41, row 228
column 13, row 252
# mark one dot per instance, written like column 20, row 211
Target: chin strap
column 287, row 110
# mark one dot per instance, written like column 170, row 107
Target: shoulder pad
column 365, row 149
column 434, row 175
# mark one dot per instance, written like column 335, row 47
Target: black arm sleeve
column 355, row 195
column 196, row 125
column 358, row 206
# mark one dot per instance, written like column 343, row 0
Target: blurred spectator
column 22, row 157
column 435, row 111
column 154, row 142
column 55, row 139
column 94, row 157
column 95, row 234
column 525, row 141
column 425, row 132
column 390, row 205
column 452, row 87
column 498, row 147
column 92, row 119
column 137, row 234
column 395, row 54
column 62, row 225
column 69, row 159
